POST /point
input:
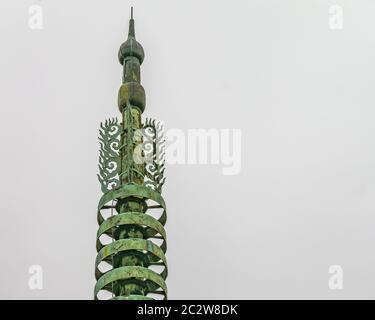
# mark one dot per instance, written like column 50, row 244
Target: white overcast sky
column 301, row 93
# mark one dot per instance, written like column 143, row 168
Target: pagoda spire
column 131, row 175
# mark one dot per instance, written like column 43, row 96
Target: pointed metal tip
column 131, row 32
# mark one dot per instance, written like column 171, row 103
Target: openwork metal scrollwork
column 109, row 159
column 154, row 148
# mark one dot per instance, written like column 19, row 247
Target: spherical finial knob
column 131, row 48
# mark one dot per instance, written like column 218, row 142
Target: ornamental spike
column 131, row 240
column 131, row 32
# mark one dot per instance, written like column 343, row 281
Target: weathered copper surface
column 131, row 240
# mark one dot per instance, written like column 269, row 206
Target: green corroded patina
column 154, row 282
column 131, row 238
column 109, row 160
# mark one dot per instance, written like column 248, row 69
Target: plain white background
column 301, row 93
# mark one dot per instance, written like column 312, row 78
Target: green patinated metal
column 131, row 239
